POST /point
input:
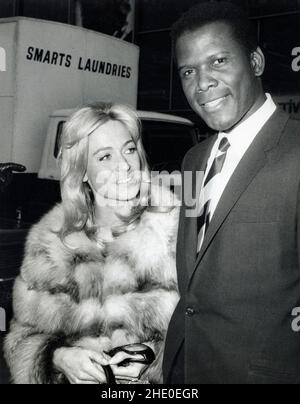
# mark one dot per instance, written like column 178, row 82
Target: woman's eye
column 104, row 158
column 132, row 150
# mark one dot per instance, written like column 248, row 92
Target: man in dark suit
column 239, row 256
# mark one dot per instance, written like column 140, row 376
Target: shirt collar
column 244, row 133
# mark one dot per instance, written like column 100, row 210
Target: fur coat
column 84, row 297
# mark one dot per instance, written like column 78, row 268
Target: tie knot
column 224, row 145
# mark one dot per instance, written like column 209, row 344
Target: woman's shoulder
column 45, row 236
column 53, row 218
column 50, row 224
column 48, row 256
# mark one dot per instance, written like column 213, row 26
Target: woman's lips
column 127, row 180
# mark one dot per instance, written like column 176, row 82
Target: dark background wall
column 277, row 21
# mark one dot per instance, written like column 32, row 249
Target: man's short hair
column 218, row 11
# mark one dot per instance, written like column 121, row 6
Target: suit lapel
column 253, row 161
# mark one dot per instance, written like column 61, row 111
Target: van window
column 60, row 128
column 166, row 144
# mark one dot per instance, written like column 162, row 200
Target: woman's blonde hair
column 77, row 198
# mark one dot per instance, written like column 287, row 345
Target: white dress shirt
column 240, row 139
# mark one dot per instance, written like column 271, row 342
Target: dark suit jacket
column 234, row 319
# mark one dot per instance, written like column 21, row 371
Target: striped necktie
column 206, row 191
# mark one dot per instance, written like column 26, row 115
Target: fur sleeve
column 47, row 295
column 29, row 356
column 47, row 306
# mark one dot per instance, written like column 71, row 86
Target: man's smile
column 211, row 106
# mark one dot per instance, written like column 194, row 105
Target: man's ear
column 85, row 179
column 258, row 62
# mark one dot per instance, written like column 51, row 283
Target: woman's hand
column 130, row 372
column 81, row 366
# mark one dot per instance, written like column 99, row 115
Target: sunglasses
column 134, row 350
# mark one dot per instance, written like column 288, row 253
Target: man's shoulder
column 286, row 132
column 293, row 127
column 281, row 130
column 201, row 148
column 290, row 124
column 291, row 134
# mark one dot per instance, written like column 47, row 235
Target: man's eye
column 187, row 73
column 105, row 158
column 219, row 61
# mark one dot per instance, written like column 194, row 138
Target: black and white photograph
column 150, row 194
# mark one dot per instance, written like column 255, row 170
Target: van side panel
column 6, row 129
column 45, row 84
column 116, row 66
column 7, row 43
column 7, row 90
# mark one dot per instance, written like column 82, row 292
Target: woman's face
column 114, row 165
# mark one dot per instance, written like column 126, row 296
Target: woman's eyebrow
column 111, row 148
column 128, row 142
column 102, row 149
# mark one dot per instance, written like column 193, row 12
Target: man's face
column 220, row 80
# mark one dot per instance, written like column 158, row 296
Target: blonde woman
column 99, row 269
